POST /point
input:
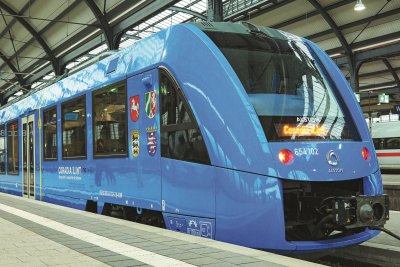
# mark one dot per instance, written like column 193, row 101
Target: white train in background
column 386, row 138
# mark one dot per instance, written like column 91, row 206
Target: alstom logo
column 332, row 158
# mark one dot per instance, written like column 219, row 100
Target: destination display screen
column 303, row 130
column 288, row 128
column 71, row 116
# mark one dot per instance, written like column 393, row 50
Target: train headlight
column 286, row 156
column 365, row 153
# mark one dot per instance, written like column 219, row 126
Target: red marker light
column 365, row 153
column 286, row 156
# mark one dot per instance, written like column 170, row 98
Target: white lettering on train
column 70, row 170
column 308, row 119
column 306, row 151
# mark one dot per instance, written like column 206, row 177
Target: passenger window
column 50, row 134
column 12, row 148
column 109, row 121
column 181, row 138
column 393, row 143
column 2, row 150
column 74, row 128
column 169, row 114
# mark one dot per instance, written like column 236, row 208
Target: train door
column 28, row 156
column 144, row 137
column 187, row 177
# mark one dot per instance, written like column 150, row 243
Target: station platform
column 391, row 186
column 34, row 233
column 382, row 250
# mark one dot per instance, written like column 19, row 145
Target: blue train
column 234, row 132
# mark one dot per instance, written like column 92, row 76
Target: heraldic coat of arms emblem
column 135, row 142
column 151, row 103
column 152, row 140
column 134, row 107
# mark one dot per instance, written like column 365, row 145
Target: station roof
column 40, row 40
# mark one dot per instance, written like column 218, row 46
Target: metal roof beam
column 392, row 90
column 27, row 44
column 369, row 42
column 131, row 37
column 392, row 71
column 190, row 12
column 309, row 15
column 370, row 54
column 105, row 26
column 35, row 34
column 375, row 73
column 144, row 13
column 244, row 14
column 148, row 11
column 356, row 23
column 20, row 79
column 25, row 8
column 136, row 18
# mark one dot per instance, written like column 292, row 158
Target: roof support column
column 392, row 71
column 354, row 79
column 347, row 49
column 214, row 10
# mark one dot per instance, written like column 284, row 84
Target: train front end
column 322, row 154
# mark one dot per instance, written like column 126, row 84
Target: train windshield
column 293, row 95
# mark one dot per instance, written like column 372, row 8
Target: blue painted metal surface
column 188, row 188
column 239, row 198
column 248, row 205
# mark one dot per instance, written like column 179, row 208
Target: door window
column 181, row 138
column 50, row 134
column 12, row 148
column 2, row 150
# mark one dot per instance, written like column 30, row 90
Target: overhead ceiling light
column 377, row 88
column 359, row 6
column 336, row 55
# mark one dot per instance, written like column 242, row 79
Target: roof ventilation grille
column 208, row 25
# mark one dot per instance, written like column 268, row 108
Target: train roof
column 385, row 129
column 95, row 76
